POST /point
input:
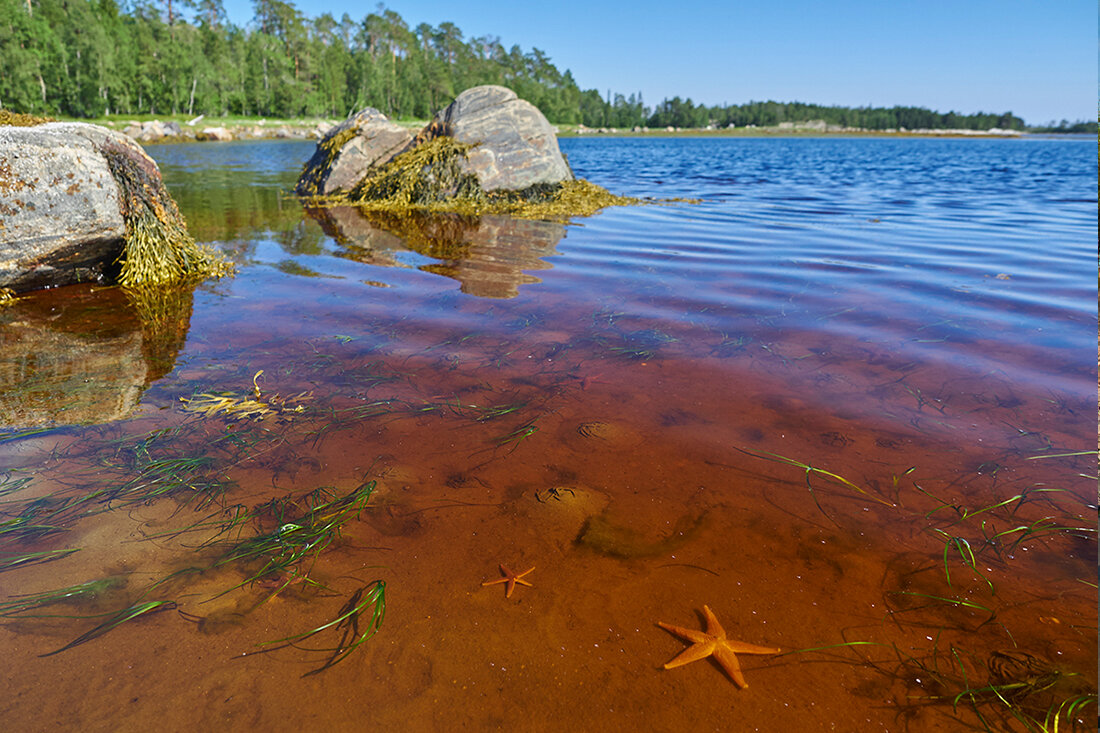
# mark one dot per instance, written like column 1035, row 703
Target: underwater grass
column 810, row 470
column 369, row 598
column 20, row 604
column 11, row 484
column 118, row 619
column 1017, row 687
column 963, row 548
column 5, row 436
column 295, row 539
column 13, row 561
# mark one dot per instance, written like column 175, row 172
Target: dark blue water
column 983, row 234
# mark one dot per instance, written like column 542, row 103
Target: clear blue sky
column 1036, row 58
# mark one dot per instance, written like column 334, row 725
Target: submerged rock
column 78, row 201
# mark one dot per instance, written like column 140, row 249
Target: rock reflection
column 489, row 255
column 85, row 354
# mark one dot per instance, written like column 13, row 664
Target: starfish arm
column 494, row 582
column 713, row 627
column 698, row 637
column 741, row 647
column 693, row 653
column 729, row 662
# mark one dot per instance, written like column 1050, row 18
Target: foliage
column 88, row 58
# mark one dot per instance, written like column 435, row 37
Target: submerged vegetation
column 1001, row 688
column 945, row 634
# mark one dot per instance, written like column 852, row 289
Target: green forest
column 91, row 58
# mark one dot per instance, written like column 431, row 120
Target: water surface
column 845, row 398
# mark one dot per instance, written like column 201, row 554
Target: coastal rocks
column 79, row 202
column 153, row 130
column 60, row 207
column 516, row 146
column 217, row 134
column 351, row 148
column 513, row 147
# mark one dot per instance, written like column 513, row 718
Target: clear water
column 627, row 403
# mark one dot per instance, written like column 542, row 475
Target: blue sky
column 1036, row 58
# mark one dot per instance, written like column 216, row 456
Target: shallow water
column 841, row 400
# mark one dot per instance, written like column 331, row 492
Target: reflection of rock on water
column 490, row 255
column 85, row 355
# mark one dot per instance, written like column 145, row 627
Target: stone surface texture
column 516, row 146
column 374, row 140
column 60, row 210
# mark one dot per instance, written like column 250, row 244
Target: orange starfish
column 713, row 642
column 511, row 579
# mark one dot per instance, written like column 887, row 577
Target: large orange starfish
column 511, row 579
column 713, row 642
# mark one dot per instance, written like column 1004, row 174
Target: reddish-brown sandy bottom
column 634, row 505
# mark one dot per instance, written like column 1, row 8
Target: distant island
column 89, row 59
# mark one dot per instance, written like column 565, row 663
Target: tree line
column 90, row 58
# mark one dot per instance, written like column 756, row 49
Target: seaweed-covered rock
column 514, row 146
column 507, row 145
column 347, row 151
column 77, row 199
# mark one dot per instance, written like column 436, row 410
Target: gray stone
column 60, row 211
column 516, row 146
column 349, row 150
column 220, row 134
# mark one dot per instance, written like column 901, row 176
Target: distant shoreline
column 786, row 131
column 192, row 130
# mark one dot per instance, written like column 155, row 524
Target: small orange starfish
column 713, row 642
column 511, row 579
